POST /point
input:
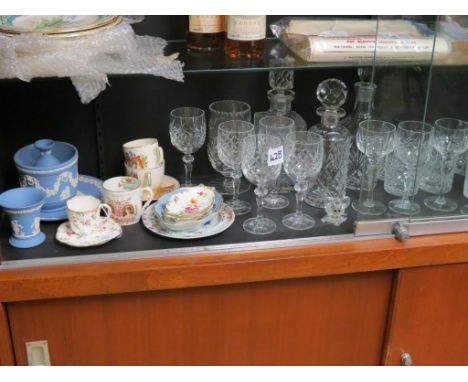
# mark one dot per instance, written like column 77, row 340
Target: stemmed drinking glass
column 260, row 169
column 222, row 111
column 279, row 126
column 187, row 129
column 231, row 134
column 303, row 157
column 412, row 149
column 375, row 139
column 450, row 139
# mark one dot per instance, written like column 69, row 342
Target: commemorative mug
column 151, row 177
column 83, row 213
column 125, row 195
column 143, row 153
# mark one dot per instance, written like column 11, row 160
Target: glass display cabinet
column 396, row 97
column 377, row 275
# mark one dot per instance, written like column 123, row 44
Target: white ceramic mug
column 125, row 194
column 83, row 212
column 143, row 153
column 151, row 177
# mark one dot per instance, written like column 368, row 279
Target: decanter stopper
column 281, row 79
column 332, row 94
column 365, row 74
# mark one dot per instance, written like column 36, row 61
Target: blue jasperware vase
column 23, row 206
column 52, row 167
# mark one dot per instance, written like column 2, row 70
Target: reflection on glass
column 374, row 139
column 450, row 139
column 412, row 149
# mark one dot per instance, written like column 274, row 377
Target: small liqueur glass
column 278, row 126
column 222, row 111
column 259, row 169
column 375, row 139
column 187, row 130
column 303, row 157
column 412, row 144
column 231, row 135
column 450, row 139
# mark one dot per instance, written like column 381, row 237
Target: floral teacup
column 84, row 213
column 125, row 194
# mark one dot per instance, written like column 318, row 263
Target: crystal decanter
column 363, row 108
column 331, row 181
column 281, row 96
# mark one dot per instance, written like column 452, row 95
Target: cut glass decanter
column 331, row 181
column 281, row 96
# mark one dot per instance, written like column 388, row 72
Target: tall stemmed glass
column 279, row 126
column 260, row 169
column 231, row 134
column 222, row 111
column 375, row 139
column 450, row 139
column 303, row 157
column 187, row 129
column 412, row 149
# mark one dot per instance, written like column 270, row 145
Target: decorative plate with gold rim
column 39, row 24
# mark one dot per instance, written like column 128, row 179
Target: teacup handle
column 159, row 154
column 106, row 208
column 150, row 199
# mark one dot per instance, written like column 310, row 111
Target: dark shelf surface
column 136, row 238
column 137, row 241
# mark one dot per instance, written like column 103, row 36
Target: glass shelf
column 277, row 57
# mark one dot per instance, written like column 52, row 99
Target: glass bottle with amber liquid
column 245, row 36
column 206, row 32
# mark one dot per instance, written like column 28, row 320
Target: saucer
column 108, row 229
column 168, row 184
column 87, row 185
column 212, row 227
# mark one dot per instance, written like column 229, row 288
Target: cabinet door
column 430, row 316
column 323, row 320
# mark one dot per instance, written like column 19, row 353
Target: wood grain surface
column 229, row 267
column 430, row 316
column 320, row 320
column 7, row 357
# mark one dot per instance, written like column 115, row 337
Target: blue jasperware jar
column 52, row 167
column 23, row 206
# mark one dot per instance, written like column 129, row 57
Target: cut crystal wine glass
column 412, row 149
column 222, row 111
column 375, row 140
column 231, row 135
column 303, row 157
column 187, row 130
column 450, row 139
column 278, row 126
column 260, row 169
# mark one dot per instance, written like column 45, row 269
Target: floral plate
column 213, row 227
column 108, row 229
column 53, row 24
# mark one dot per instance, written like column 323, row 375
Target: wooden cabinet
column 357, row 303
column 429, row 319
column 322, row 320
